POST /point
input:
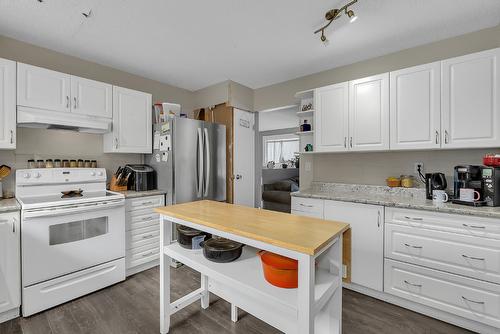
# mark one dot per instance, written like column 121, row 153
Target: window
column 280, row 148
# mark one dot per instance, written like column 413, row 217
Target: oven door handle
column 71, row 209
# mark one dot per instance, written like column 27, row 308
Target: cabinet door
column 92, row 98
column 367, row 240
column 369, row 113
column 42, row 89
column 331, row 118
column 10, row 262
column 415, row 107
column 470, row 110
column 132, row 122
column 7, row 104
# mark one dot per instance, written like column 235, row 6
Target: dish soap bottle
column 305, row 126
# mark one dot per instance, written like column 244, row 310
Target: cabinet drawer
column 308, row 205
column 466, row 297
column 133, row 204
column 307, row 214
column 462, row 224
column 142, row 258
column 456, row 253
column 142, row 220
column 142, row 250
column 138, row 237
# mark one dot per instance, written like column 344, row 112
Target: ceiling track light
column 334, row 14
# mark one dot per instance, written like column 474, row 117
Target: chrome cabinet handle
column 67, row 101
column 414, row 218
column 472, row 301
column 378, row 219
column 148, row 218
column 350, row 142
column 446, row 137
column 412, row 284
column 12, row 136
column 149, row 236
column 473, row 258
column 437, row 137
column 116, row 143
column 345, row 142
column 474, row 226
column 417, row 247
column 148, row 254
column 75, row 104
column 307, row 206
column 147, row 203
column 14, row 225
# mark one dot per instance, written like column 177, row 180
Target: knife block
column 114, row 187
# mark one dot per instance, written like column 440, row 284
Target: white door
column 93, row 98
column 10, row 262
column 244, row 158
column 369, row 113
column 415, row 108
column 367, row 240
column 7, row 104
column 470, row 109
column 132, row 122
column 42, row 88
column 331, row 118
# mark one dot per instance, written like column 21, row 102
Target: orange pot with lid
column 279, row 270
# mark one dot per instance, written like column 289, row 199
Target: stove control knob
column 92, row 173
column 26, row 175
column 37, row 175
column 100, row 174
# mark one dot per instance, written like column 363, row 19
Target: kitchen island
column 314, row 307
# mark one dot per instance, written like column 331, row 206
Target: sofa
column 276, row 195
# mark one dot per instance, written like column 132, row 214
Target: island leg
column 306, row 294
column 205, row 299
column 234, row 313
column 165, row 237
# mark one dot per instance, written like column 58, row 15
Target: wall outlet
column 417, row 166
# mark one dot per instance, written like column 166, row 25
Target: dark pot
column 186, row 235
column 221, row 250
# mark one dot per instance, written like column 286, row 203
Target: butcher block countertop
column 301, row 234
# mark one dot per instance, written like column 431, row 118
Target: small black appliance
column 491, row 185
column 468, row 176
column 141, row 177
column 434, row 181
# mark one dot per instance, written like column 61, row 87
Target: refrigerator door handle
column 199, row 166
column 207, row 165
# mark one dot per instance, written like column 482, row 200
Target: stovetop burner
column 72, row 193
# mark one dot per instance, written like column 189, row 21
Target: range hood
column 47, row 119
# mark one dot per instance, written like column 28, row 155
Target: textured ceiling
column 193, row 44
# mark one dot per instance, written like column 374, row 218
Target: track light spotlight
column 351, row 15
column 334, row 14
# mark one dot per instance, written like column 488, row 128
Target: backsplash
column 374, row 167
column 59, row 144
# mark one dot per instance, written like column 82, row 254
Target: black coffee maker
column 468, row 176
column 434, row 181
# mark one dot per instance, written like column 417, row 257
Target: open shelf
column 307, row 113
column 246, row 273
column 305, row 94
column 304, row 133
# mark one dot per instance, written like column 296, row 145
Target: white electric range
column 72, row 235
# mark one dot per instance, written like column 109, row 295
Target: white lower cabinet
column 142, row 236
column 367, row 240
column 308, row 207
column 10, row 266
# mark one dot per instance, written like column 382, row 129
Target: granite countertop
column 9, row 204
column 413, row 198
column 136, row 194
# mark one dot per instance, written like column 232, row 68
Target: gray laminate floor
column 133, row 307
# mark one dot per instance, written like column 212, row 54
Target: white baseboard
column 142, row 267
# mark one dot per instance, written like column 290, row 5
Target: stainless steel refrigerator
column 189, row 157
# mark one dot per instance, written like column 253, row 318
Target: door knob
column 238, row 177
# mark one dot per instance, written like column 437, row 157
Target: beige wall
column 237, row 95
column 281, row 94
column 45, row 144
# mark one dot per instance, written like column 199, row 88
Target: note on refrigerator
column 164, row 156
column 165, row 143
column 156, row 140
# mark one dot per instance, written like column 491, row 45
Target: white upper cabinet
column 332, row 117
column 7, row 104
column 470, row 93
column 93, row 98
column 369, row 113
column 43, row 89
column 10, row 262
column 132, row 122
column 367, row 240
column 415, row 107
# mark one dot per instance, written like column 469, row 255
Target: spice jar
column 40, row 164
column 80, row 163
column 57, row 163
column 93, row 164
column 407, row 181
column 49, row 163
column 87, row 164
column 65, row 163
column 31, row 164
column 72, row 164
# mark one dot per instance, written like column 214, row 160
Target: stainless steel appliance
column 491, row 185
column 142, row 177
column 72, row 235
column 189, row 157
column 434, row 181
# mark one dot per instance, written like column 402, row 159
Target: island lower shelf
column 245, row 274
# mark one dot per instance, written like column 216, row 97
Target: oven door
column 59, row 241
